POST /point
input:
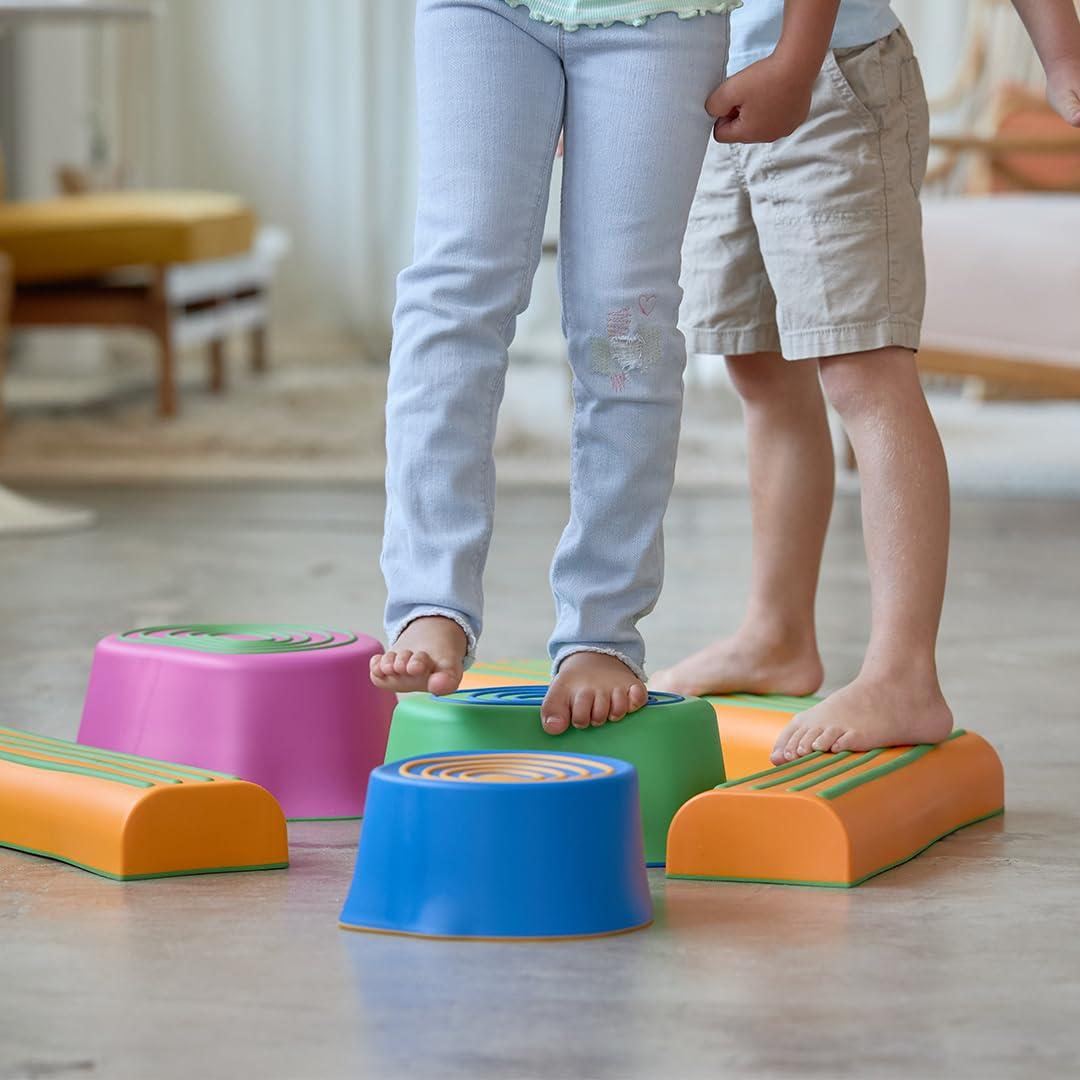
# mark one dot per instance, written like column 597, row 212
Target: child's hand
column 1063, row 88
column 762, row 103
column 1055, row 32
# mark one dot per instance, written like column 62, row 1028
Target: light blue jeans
column 494, row 90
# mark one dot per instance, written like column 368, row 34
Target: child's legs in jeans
column 636, row 133
column 790, row 458
column 490, row 105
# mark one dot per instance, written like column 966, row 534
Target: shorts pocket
column 856, row 75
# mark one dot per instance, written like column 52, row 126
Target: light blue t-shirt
column 755, row 28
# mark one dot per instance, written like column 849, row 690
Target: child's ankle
column 903, row 669
column 786, row 639
column 441, row 628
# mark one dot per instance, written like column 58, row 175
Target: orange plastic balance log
column 128, row 817
column 836, row 819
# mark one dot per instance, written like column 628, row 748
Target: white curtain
column 305, row 108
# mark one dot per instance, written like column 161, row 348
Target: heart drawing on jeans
column 647, row 303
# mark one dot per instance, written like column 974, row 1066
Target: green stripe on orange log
column 769, row 702
column 80, row 770
column 823, row 763
column 862, row 759
column 117, row 756
column 909, row 757
column 770, row 772
column 113, row 770
column 75, row 752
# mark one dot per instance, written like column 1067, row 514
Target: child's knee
column 480, row 292
column 860, row 382
column 766, row 377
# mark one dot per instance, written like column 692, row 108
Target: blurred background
column 241, row 334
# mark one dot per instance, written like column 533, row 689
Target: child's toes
column 376, row 671
column 848, row 740
column 445, row 678
column 637, row 696
column 581, row 713
column 827, row 738
column 601, row 708
column 418, row 664
column 555, row 711
column 777, row 755
column 401, row 662
column 806, row 743
column 386, row 664
column 791, row 751
column 620, row 702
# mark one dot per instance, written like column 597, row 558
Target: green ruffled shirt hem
column 547, row 12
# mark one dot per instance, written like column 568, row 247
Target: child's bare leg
column 791, row 491
column 429, row 654
column 896, row 698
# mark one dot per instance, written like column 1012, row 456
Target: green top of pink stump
column 236, row 639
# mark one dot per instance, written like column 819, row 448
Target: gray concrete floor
column 964, row 962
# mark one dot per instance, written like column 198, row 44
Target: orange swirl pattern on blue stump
column 505, row 768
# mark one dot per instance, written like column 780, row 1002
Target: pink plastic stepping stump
column 290, row 708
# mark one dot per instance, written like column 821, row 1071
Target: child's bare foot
column 868, row 713
column 429, row 654
column 590, row 689
column 746, row 663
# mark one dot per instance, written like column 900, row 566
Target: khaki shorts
column 812, row 246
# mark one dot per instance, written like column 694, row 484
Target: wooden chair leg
column 217, row 366
column 6, row 287
column 160, row 324
column 258, row 349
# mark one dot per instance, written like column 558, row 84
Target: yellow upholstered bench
column 77, row 236
column 105, row 259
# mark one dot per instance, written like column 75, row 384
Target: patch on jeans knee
column 625, row 351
